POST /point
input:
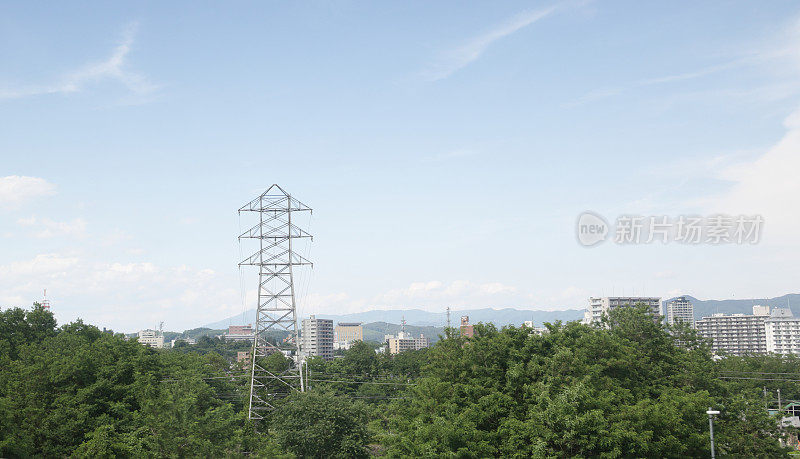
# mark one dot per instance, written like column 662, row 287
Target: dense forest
column 631, row 388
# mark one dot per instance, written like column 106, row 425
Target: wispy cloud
column 780, row 49
column 457, row 58
column 114, row 68
column 604, row 93
column 690, row 75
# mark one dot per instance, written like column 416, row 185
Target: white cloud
column 120, row 295
column 459, row 57
column 47, row 228
column 41, row 265
column 114, row 68
column 16, row 190
column 768, row 186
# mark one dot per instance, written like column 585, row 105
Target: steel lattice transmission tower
column 276, row 309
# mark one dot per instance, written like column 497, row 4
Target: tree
column 75, row 390
column 314, row 424
column 626, row 389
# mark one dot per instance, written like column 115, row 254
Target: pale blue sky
column 446, row 148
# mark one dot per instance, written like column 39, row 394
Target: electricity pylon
column 276, row 309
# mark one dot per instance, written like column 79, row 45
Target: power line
column 758, row 379
column 364, row 382
column 759, row 373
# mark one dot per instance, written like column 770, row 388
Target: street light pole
column 711, row 413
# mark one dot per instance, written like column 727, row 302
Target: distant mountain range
column 510, row 316
column 418, row 317
column 705, row 308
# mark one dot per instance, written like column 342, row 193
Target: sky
column 447, row 149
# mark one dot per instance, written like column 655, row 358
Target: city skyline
column 447, row 152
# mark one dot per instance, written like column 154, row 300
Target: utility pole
column 448, row 316
column 766, row 402
column 711, row 413
column 276, row 309
column 780, row 414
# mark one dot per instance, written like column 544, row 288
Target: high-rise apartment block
column 347, row 333
column 782, row 332
column 680, row 310
column 736, row 334
column 603, row 305
column 316, row 338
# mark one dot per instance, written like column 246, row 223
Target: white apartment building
column 782, row 332
column 602, row 305
column 316, row 338
column 736, row 334
column 151, row 338
column 680, row 310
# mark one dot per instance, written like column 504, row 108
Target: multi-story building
column 404, row 342
column 603, row 305
column 243, row 357
column 680, row 310
column 347, row 333
column 152, row 338
column 736, row 334
column 239, row 333
column 782, row 332
column 316, row 338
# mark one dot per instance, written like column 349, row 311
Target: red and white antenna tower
column 45, row 302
